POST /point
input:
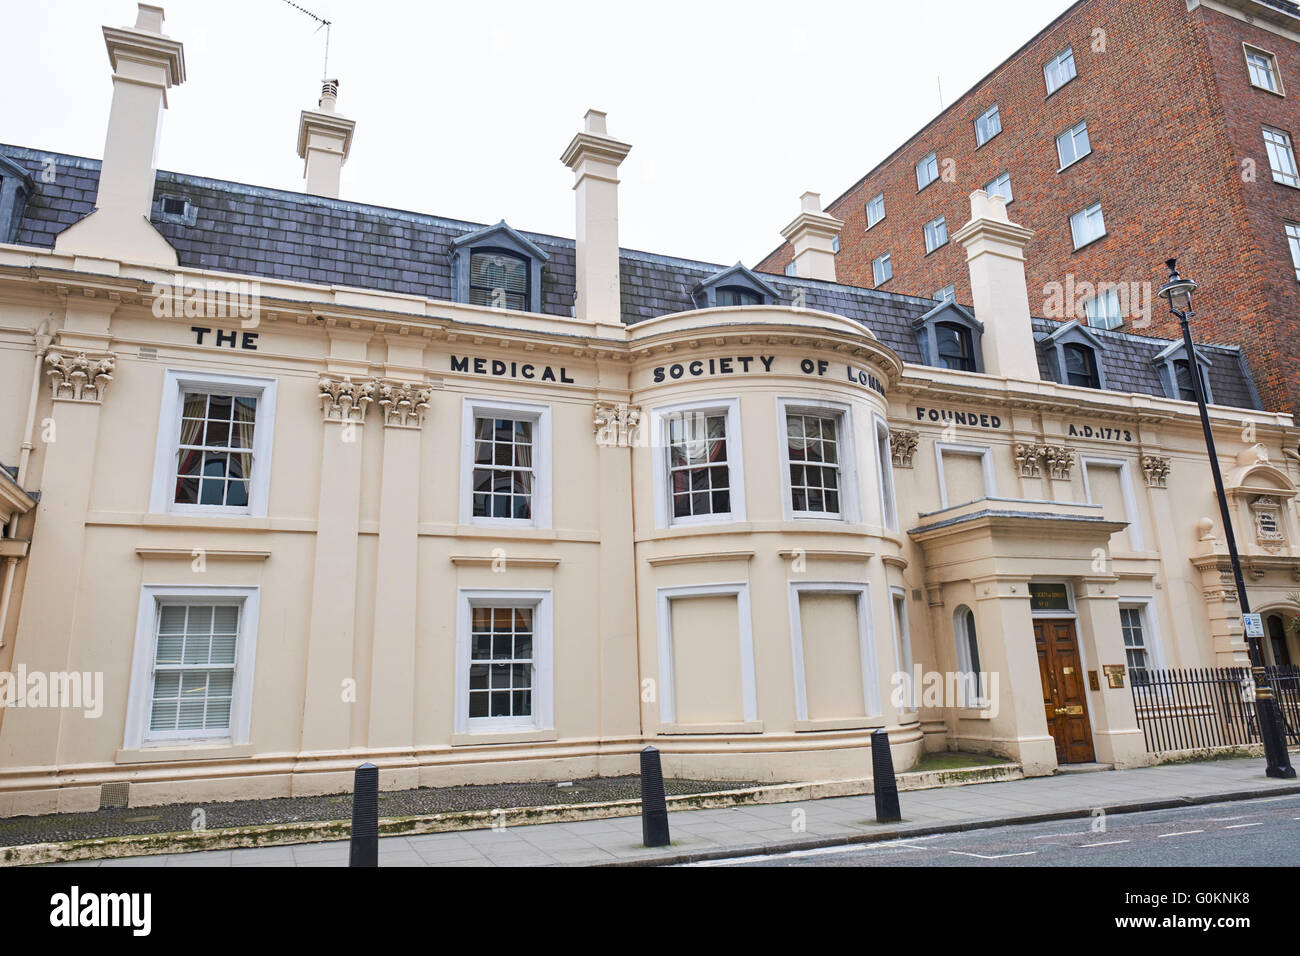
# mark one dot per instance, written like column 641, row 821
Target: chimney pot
column 149, row 18
column 329, row 95
column 324, row 141
column 595, row 122
column 812, row 235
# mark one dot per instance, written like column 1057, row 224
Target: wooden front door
column 1064, row 691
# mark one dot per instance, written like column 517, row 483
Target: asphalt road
column 1241, row 833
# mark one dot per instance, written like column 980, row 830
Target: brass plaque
column 1067, row 670
column 1114, row 674
column 1093, row 683
column 1074, row 710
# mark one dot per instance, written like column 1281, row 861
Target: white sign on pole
column 1254, row 625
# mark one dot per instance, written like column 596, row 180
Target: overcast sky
column 463, row 109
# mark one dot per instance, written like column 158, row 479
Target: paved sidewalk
column 706, row 834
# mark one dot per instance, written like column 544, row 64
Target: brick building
column 1127, row 131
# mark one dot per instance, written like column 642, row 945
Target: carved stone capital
column 1029, row 457
column 1156, row 470
column 79, row 376
column 617, row 424
column 902, row 446
column 1059, row 460
column 403, row 403
column 343, row 400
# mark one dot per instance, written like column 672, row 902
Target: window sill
column 1076, row 162
column 1265, row 89
column 935, row 249
column 838, row 723
column 731, row 727
column 1091, row 242
column 166, row 752
column 873, row 225
column 974, row 713
column 1052, row 93
column 488, row 737
column 1279, row 182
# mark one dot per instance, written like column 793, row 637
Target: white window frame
column 176, row 382
column 1086, row 216
column 870, row 204
column 866, row 644
column 1134, row 529
column 1293, row 240
column 1103, row 320
column 850, row 505
column 1274, row 71
column 904, row 658
column 1009, row 195
column 659, row 461
column 932, row 160
column 947, row 294
column 983, row 120
column 885, row 474
column 932, row 234
column 961, row 644
column 745, row 621
column 1052, row 71
column 1278, row 146
column 543, row 494
column 543, row 697
column 1072, row 135
column 791, row 269
column 140, row 695
column 1150, row 630
column 879, row 264
column 985, row 454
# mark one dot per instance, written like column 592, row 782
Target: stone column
column 1116, row 737
column 329, row 697
column 618, row 430
column 52, row 601
column 392, row 674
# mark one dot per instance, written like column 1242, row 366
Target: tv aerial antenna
column 323, row 23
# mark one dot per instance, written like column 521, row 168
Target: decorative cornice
column 902, row 446
column 403, row 403
column 343, row 400
column 79, row 376
column 1156, row 470
column 617, row 424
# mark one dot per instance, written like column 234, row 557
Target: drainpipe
column 43, row 339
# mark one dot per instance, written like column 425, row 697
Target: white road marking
column 1161, row 836
column 1000, row 856
column 819, row 851
column 1084, row 846
column 1051, row 836
column 1238, row 826
column 1222, row 819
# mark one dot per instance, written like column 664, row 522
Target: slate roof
column 291, row 236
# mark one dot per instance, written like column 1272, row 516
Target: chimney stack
column 145, row 65
column 594, row 158
column 324, row 139
column 995, row 256
column 813, row 234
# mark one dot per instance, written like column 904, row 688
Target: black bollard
column 882, row 773
column 365, row 817
column 654, row 807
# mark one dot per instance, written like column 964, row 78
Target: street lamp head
column 1177, row 291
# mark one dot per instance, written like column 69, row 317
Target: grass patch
column 953, row 760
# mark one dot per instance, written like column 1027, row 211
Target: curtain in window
column 189, row 460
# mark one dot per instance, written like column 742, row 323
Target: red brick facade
column 1174, row 125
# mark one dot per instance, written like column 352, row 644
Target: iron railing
column 1202, row 708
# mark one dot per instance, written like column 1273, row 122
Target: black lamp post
column 1178, row 291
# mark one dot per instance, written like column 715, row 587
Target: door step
column 1084, row 767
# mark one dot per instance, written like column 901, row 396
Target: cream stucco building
column 298, row 482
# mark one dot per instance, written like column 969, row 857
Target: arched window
column 970, row 688
column 498, row 279
column 1081, row 366
column 735, row 295
column 954, row 346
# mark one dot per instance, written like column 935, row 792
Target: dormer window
column 1081, row 366
column 949, row 337
column 499, row 268
column 15, row 189
column 498, row 280
column 735, row 295
column 954, row 346
column 736, row 286
column 1074, row 356
column 1176, row 376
